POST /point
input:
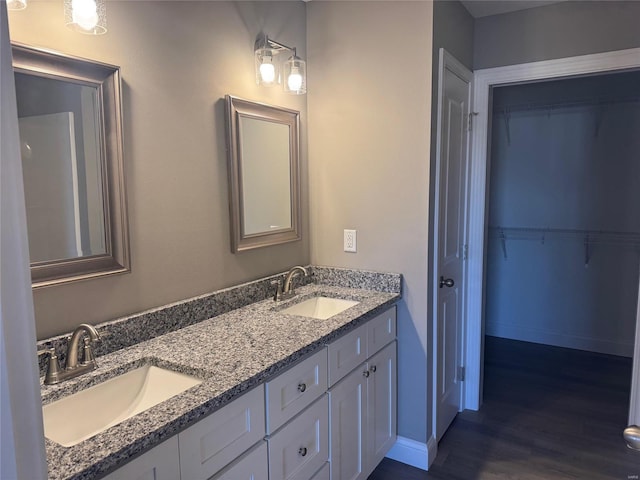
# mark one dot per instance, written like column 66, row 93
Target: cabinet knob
column 302, row 451
column 373, row 369
column 366, row 374
column 302, row 387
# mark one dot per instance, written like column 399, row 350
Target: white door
column 454, row 95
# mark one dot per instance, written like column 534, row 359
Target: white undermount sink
column 320, row 307
column 75, row 418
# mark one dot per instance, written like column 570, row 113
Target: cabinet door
column 300, row 448
column 252, row 466
column 347, row 401
column 294, row 390
column 381, row 331
column 159, row 463
column 215, row 441
column 381, row 405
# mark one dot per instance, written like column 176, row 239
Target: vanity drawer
column 381, row 330
column 159, row 463
column 215, row 441
column 294, row 390
column 347, row 353
column 251, row 466
column 324, row 473
column 301, row 448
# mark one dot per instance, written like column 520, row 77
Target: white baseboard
column 417, row 454
column 590, row 344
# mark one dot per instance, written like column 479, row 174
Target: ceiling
column 484, row 8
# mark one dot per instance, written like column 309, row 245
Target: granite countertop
column 231, row 353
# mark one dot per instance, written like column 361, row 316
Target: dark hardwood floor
column 548, row 413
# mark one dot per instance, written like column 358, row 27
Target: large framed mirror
column 264, row 178
column 70, row 122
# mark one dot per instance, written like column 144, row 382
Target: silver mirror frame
column 106, row 79
column 236, row 108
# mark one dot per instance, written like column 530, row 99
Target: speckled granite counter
column 232, row 352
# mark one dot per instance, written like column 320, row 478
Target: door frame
column 484, row 80
column 447, row 61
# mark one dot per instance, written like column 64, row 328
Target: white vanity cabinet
column 363, row 406
column 159, row 463
column 331, row 416
column 215, row 441
column 324, row 473
column 301, row 447
column 294, row 390
column 251, row 466
column 298, row 420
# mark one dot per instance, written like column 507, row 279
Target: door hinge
column 465, row 251
column 461, row 374
column 470, row 120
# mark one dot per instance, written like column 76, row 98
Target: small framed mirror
column 70, row 122
column 264, row 178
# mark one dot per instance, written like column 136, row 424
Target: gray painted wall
column 369, row 122
column 178, row 60
column 453, row 29
column 556, row 31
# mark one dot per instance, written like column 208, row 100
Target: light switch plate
column 350, row 243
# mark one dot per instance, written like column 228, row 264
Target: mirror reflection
column 266, row 192
column 62, row 171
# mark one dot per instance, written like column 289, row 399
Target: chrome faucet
column 288, row 290
column 73, row 369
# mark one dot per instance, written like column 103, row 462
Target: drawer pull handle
column 366, row 374
column 373, row 369
column 302, row 451
column 302, row 387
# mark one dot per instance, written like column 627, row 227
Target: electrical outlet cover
column 350, row 243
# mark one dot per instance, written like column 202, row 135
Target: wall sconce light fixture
column 86, row 16
column 16, row 4
column 294, row 70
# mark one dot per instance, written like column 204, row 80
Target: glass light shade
column 266, row 67
column 86, row 16
column 295, row 76
column 16, row 4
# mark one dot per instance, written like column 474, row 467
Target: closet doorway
column 485, row 81
column 564, row 213
column 562, row 267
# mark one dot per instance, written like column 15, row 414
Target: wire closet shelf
column 588, row 238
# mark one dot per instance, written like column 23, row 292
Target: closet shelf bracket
column 587, row 252
column 503, row 241
column 506, row 117
column 600, row 111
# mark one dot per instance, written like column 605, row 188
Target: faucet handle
column 278, row 293
column 53, row 369
column 46, row 351
column 89, row 358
